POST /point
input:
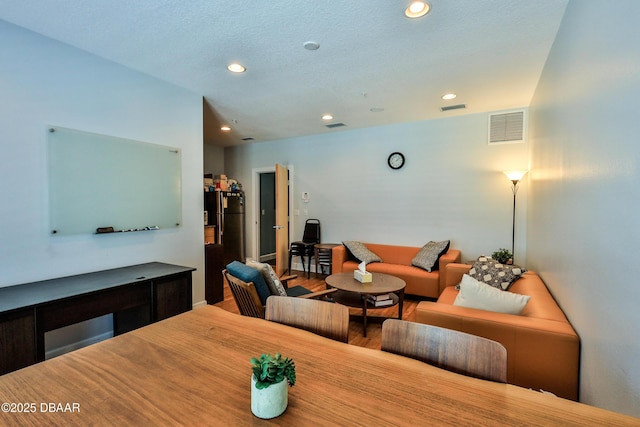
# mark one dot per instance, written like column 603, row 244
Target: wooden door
column 282, row 219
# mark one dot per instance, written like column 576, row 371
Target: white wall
column 451, row 186
column 43, row 82
column 584, row 228
column 213, row 159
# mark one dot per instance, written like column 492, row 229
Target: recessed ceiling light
column 448, row 96
column 417, row 9
column 225, row 128
column 327, row 117
column 311, row 45
column 236, row 68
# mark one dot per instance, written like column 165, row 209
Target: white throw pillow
column 475, row 294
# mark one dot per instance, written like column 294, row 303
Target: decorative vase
column 269, row 402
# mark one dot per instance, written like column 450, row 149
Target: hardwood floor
column 375, row 317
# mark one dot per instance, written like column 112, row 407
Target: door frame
column 255, row 212
column 260, row 216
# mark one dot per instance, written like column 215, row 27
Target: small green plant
column 273, row 369
column 502, row 255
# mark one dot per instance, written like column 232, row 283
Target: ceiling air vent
column 335, row 125
column 507, row 127
column 453, row 107
column 248, row 139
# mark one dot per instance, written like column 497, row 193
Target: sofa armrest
column 453, row 273
column 338, row 256
column 541, row 354
column 452, row 256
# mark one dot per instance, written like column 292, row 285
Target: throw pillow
column 248, row 274
column 273, row 277
column 493, row 273
column 270, row 277
column 428, row 256
column 476, row 294
column 360, row 252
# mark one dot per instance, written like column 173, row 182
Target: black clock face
column 396, row 160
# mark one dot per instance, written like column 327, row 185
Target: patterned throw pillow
column 270, row 277
column 491, row 272
column 276, row 281
column 427, row 258
column 360, row 252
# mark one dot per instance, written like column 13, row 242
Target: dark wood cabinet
column 213, row 266
column 17, row 350
column 136, row 295
column 171, row 295
column 132, row 318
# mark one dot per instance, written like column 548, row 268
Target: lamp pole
column 513, row 220
column 514, row 177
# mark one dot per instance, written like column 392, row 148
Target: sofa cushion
column 476, row 294
column 248, row 274
column 270, row 277
column 417, row 280
column 428, row 256
column 359, row 251
column 495, row 274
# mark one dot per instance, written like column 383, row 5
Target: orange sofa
column 543, row 350
column 397, row 262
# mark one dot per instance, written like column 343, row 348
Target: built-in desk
column 136, row 295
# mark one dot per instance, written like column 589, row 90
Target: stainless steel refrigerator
column 225, row 210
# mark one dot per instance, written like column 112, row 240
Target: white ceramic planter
column 269, row 402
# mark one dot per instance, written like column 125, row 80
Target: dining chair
column 323, row 258
column 248, row 301
column 320, row 317
column 305, row 247
column 447, row 349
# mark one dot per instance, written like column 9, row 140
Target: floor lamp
column 514, row 177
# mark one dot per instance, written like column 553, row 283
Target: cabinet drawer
column 77, row 309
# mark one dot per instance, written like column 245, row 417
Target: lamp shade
column 515, row 175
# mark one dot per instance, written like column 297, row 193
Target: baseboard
column 199, row 304
column 297, row 265
column 267, row 258
column 77, row 345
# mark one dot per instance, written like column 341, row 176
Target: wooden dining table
column 194, row 369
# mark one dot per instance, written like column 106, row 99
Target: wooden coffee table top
column 381, row 283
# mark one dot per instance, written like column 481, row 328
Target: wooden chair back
column 320, row 317
column 447, row 349
column 245, row 295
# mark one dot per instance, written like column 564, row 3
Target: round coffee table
column 354, row 294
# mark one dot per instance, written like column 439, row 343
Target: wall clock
column 396, row 160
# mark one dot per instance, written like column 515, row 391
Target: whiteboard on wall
column 105, row 182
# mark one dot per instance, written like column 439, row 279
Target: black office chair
column 304, row 248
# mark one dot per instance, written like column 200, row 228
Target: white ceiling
column 489, row 52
